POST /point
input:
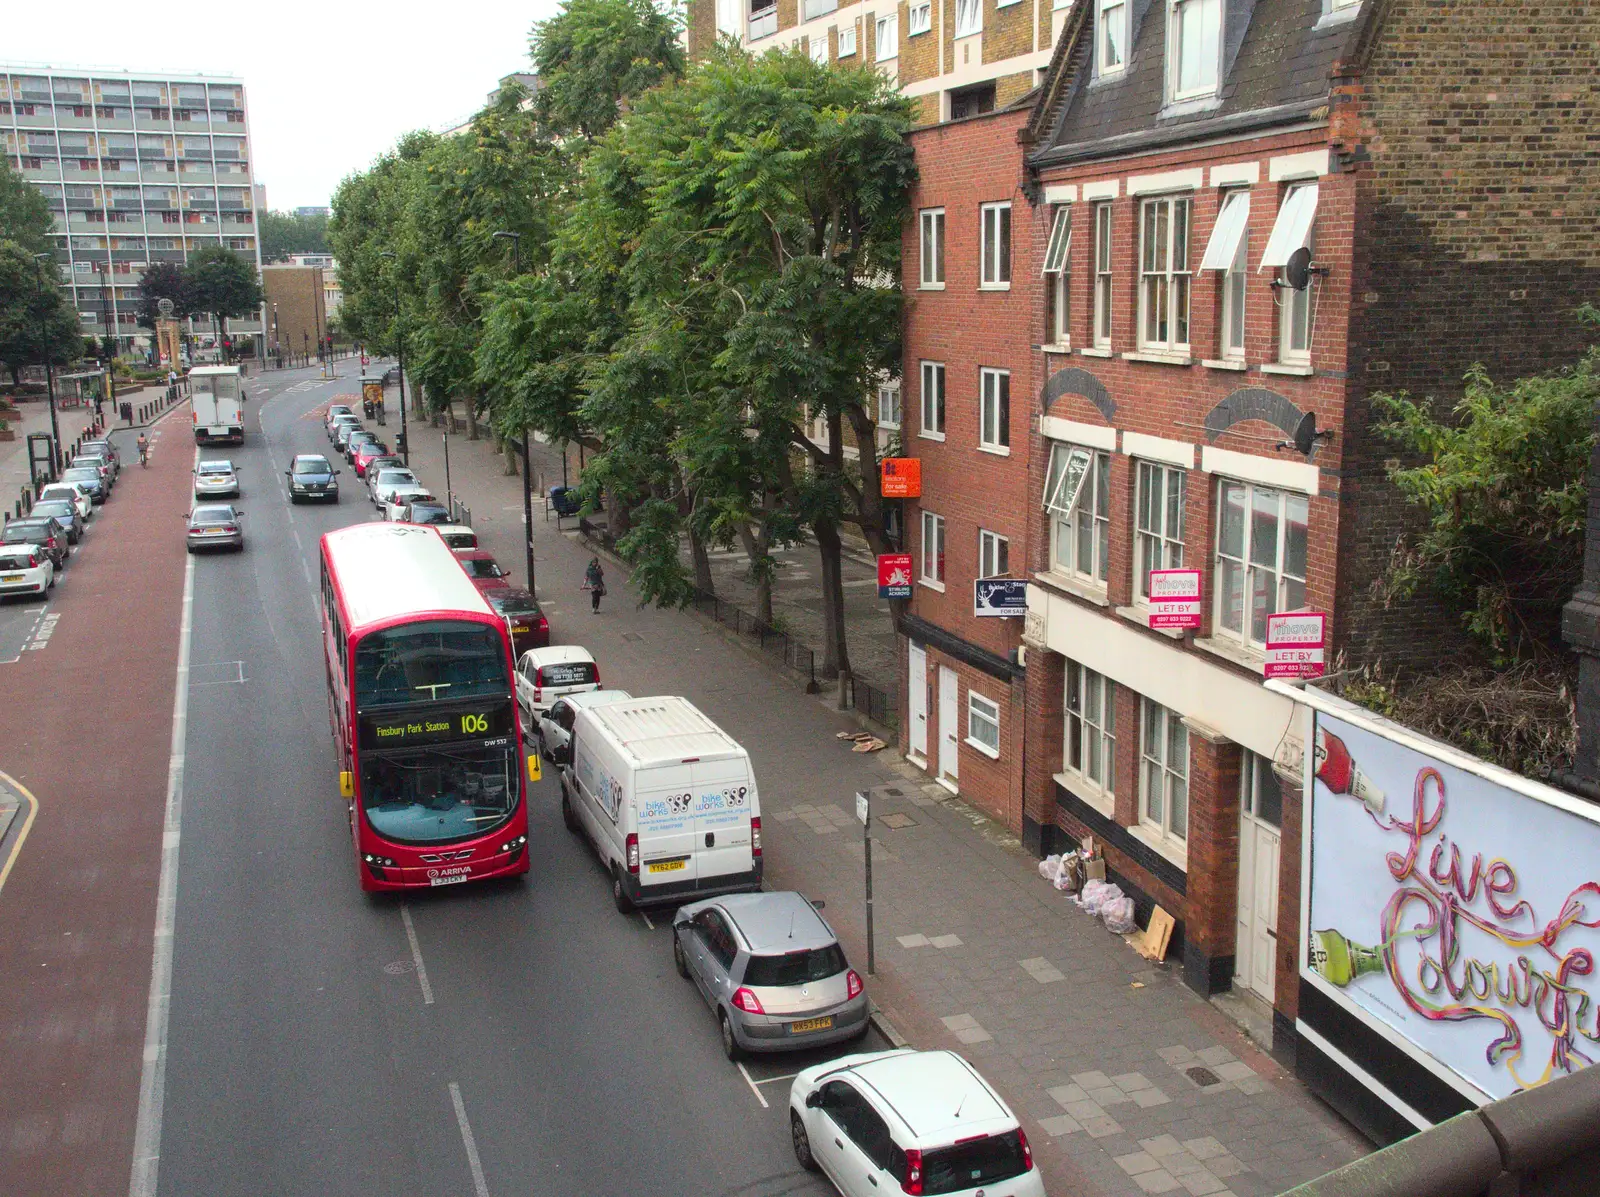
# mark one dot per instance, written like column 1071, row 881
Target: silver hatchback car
column 772, row 969
column 216, row 479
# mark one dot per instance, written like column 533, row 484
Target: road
column 510, row 1038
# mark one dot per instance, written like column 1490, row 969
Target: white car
column 25, row 569
column 546, row 674
column 216, row 480
column 458, row 536
column 553, row 726
column 909, row 1121
column 386, row 480
column 73, row 493
column 401, row 497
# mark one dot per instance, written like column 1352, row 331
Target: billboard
column 1450, row 906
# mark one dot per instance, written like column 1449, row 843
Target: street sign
column 862, row 807
column 1174, row 598
column 1295, row 644
column 901, row 478
column 864, row 814
column 1000, row 598
column 894, row 575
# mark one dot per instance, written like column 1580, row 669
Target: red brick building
column 1228, row 221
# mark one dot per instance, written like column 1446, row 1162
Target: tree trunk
column 472, row 417
column 835, row 652
column 702, row 564
column 513, row 456
column 419, row 407
column 755, row 548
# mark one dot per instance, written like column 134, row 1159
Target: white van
column 668, row 798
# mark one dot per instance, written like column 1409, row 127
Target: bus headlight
column 383, row 862
column 511, row 845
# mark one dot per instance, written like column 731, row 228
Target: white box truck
column 668, row 798
column 217, row 395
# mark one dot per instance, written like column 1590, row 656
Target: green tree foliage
column 1504, row 485
column 284, row 233
column 222, row 283
column 24, row 215
column 35, row 316
column 595, row 56
column 164, row 280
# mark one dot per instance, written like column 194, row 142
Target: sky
column 329, row 85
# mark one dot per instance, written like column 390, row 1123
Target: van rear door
column 725, row 801
column 666, row 825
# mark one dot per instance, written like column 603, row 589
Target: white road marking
column 647, row 921
column 788, row 1076
column 480, row 1187
column 153, row 1074
column 44, row 630
column 416, row 955
column 745, row 1073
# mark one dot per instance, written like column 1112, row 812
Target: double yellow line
column 33, row 810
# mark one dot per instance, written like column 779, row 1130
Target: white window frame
column 1296, row 326
column 994, row 272
column 932, row 572
column 1207, row 59
column 819, row 48
column 931, row 225
column 994, row 555
column 976, row 715
column 919, row 18
column 847, row 40
column 994, row 410
column 1165, row 280
column 1228, row 252
column 812, row 9
column 1089, row 734
column 887, row 42
column 1102, row 274
column 969, row 17
column 1244, row 566
column 1163, row 777
column 1157, row 522
column 890, row 392
column 1058, row 268
column 1078, row 489
column 932, row 401
column 1110, row 30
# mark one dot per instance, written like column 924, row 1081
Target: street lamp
column 527, row 476
column 49, row 379
column 400, row 357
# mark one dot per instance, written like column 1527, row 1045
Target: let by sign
column 1174, row 598
column 1294, row 644
column 901, row 478
column 894, row 575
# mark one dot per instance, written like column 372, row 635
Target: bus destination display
column 403, row 729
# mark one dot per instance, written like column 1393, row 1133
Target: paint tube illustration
column 1339, row 960
column 1336, row 770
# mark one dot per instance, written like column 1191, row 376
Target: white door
column 917, row 701
column 1260, row 814
column 948, row 719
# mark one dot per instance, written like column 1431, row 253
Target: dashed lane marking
column 480, row 1187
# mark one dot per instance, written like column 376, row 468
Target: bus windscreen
column 436, row 795
column 434, row 661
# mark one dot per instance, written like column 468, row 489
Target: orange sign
column 902, row 478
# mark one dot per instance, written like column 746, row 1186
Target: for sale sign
column 894, row 575
column 1174, row 598
column 1294, row 644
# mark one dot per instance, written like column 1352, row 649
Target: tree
column 24, row 216
column 285, row 233
column 164, row 280
column 34, row 313
column 224, row 284
column 595, row 56
column 1504, row 486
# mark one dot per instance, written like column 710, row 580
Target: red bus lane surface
column 87, row 728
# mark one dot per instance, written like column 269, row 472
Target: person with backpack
column 594, row 581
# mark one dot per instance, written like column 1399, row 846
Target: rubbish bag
column 1118, row 916
column 1049, row 867
column 1092, row 896
column 1070, row 879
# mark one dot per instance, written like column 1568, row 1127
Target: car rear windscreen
column 968, row 1165
column 795, row 968
column 567, row 673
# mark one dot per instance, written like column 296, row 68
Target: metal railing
column 876, row 704
column 769, row 639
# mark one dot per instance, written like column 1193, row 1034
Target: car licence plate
column 667, row 866
column 811, row 1024
column 11, row 578
column 453, row 879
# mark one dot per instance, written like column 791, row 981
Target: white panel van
column 668, row 798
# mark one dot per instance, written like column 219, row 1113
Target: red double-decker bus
column 424, row 718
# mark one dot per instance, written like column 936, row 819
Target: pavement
column 1128, row 1082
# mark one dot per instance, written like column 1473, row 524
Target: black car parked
column 46, row 531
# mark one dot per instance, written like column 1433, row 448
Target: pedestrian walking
column 594, row 581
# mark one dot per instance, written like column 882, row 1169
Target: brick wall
column 1010, row 88
column 919, row 59
column 1007, row 31
column 702, row 28
column 1473, row 141
column 297, row 293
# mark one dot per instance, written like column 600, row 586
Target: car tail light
column 913, row 1181
column 632, row 848
column 544, row 624
column 51, row 543
column 852, row 983
column 230, row 527
column 538, row 694
column 755, row 836
column 747, row 1001
column 1027, row 1152
column 33, row 561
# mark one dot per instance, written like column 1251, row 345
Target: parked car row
column 35, row 549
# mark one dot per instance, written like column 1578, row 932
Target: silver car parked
column 772, row 969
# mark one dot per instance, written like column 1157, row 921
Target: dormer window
column 1111, row 35
column 1194, row 40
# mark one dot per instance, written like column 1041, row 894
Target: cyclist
column 144, row 450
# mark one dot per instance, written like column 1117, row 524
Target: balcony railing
column 763, row 23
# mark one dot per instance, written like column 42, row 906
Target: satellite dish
column 164, row 306
column 1297, row 270
column 1305, row 432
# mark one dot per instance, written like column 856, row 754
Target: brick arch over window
column 1253, row 403
column 1073, row 381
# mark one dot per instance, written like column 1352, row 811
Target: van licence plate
column 218, row 430
column 667, row 866
column 811, row 1024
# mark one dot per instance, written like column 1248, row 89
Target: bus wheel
column 619, row 896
